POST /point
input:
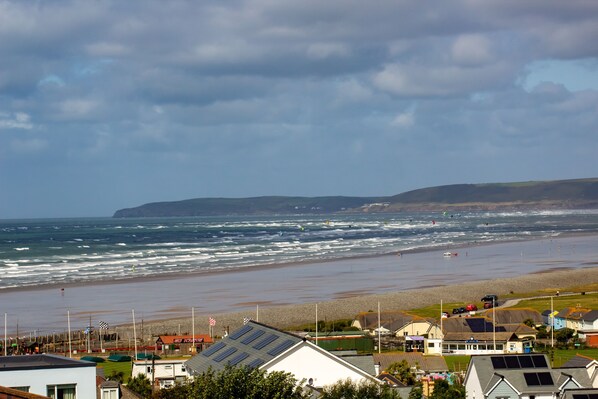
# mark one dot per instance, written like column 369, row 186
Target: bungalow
column 389, row 321
column 270, row 349
column 162, row 373
column 523, row 376
column 183, row 343
column 51, row 375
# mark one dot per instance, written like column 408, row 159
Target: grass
column 114, row 367
column 587, row 301
column 457, row 363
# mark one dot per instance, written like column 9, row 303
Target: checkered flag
column 103, row 325
column 212, row 321
column 246, row 320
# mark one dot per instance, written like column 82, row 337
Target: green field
column 114, row 367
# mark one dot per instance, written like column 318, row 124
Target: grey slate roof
column 362, row 362
column 34, row 362
column 516, row 316
column 252, row 345
column 591, row 316
column 577, row 361
column 488, row 375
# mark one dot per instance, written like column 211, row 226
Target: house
column 478, row 335
column 51, row 375
column 107, row 389
column 162, row 373
column 570, row 318
column 586, row 363
column 183, row 343
column 270, row 349
column 548, row 316
column 390, row 322
column 523, row 376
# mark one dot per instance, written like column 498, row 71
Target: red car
column 471, row 307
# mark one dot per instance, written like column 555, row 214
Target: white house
column 161, row 372
column 49, row 375
column 269, row 349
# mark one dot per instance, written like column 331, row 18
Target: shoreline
column 287, row 293
column 286, row 316
column 266, row 266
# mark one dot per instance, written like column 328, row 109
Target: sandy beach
column 287, row 294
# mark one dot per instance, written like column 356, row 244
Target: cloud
column 18, row 120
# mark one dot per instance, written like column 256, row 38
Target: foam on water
column 95, row 249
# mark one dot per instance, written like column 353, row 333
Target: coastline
column 287, row 293
column 296, row 263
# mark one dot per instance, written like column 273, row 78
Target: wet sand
column 286, row 294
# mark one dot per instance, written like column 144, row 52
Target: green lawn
column 457, row 362
column 587, row 301
column 112, row 367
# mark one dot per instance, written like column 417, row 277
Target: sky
column 112, row 104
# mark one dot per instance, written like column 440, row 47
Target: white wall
column 38, row 380
column 306, row 362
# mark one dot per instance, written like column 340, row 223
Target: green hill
column 561, row 194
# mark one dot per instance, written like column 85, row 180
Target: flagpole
column 134, row 333
column 379, row 331
column 316, row 324
column 552, row 322
column 193, row 328
column 68, row 315
column 5, row 333
column 441, row 331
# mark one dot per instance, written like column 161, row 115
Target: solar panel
column 252, row 337
column 238, row 359
column 534, row 379
column 255, row 363
column 545, row 378
column 531, row 379
column 478, row 325
column 512, row 362
column 262, row 344
column 213, row 349
column 539, row 361
column 526, row 362
column 240, row 332
column 281, row 347
column 223, row 355
column 498, row 362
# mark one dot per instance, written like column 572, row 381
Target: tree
column 417, row 392
column 564, row 335
column 236, row 382
column 348, row 389
column 141, row 385
column 443, row 390
column 402, row 371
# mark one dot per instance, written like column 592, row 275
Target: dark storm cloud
column 148, row 100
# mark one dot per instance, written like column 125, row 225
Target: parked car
column 471, row 308
column 458, row 310
column 490, row 298
column 445, row 315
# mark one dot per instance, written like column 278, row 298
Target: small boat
column 449, row 254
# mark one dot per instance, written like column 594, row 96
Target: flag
column 212, row 321
column 246, row 320
column 103, row 325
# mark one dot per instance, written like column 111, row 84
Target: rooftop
column 32, row 362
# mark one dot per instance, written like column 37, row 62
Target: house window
column 23, row 389
column 149, row 369
column 110, row 393
column 66, row 391
column 430, row 344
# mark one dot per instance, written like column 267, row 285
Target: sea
column 45, row 252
